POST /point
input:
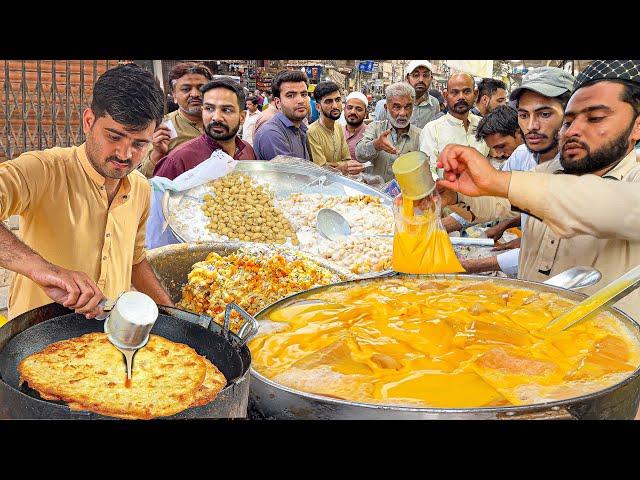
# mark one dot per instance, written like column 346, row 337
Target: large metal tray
column 283, row 179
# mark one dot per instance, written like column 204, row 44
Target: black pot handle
column 248, row 329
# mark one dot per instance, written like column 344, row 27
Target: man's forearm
column 17, row 256
column 478, row 265
column 144, row 279
column 450, row 224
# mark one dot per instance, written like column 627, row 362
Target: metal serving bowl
column 268, row 399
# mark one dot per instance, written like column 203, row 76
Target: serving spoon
column 332, row 225
column 591, row 306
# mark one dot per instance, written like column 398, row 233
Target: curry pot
column 268, row 399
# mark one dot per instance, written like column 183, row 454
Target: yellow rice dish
column 439, row 343
column 251, row 280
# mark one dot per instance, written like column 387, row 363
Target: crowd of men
column 554, row 157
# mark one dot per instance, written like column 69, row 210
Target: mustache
column 119, row 160
column 575, row 140
column 461, row 102
column 217, row 124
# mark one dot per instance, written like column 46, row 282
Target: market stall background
column 42, row 100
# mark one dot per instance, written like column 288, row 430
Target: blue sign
column 366, row 66
column 313, row 73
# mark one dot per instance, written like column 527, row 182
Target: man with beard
column 540, row 103
column 426, row 107
column 384, row 141
column 326, row 137
column 84, row 209
column 355, row 111
column 458, row 125
column 285, row 133
column 491, row 94
column 583, row 207
column 223, row 111
column 185, row 123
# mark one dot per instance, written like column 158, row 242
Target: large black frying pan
column 34, row 330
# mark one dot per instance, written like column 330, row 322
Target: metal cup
column 131, row 320
column 413, row 175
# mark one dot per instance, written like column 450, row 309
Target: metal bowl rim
column 248, row 166
column 556, row 404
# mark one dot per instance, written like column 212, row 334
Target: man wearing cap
column 459, row 125
column 418, row 75
column 583, row 208
column 355, row 111
column 540, row 103
column 327, row 144
column 384, row 141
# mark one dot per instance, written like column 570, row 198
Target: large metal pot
column 271, row 400
column 173, row 263
column 35, row 329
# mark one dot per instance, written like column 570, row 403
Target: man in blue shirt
column 285, row 134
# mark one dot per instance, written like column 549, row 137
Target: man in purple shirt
column 285, row 134
column 222, row 113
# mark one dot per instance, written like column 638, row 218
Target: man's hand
column 72, row 289
column 468, row 172
column 161, row 138
column 515, row 243
column 383, row 143
column 496, row 231
column 350, row 167
column 447, row 196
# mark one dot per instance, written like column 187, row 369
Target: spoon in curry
column 591, row 306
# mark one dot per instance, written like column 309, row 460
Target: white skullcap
column 358, row 96
column 418, row 63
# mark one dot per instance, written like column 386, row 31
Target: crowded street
column 320, row 239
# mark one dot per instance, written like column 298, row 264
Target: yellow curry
column 439, row 343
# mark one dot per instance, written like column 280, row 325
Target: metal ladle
column 591, row 306
column 333, row 226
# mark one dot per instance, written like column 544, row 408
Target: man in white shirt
column 418, row 75
column 459, row 125
column 253, row 114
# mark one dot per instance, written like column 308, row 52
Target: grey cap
column 548, row 81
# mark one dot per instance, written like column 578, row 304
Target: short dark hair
column 437, row 95
column 130, row 95
column 287, row 76
column 185, row 68
column 253, row 99
column 502, row 120
column 630, row 94
column 323, row 89
column 229, row 84
column 489, row 86
column 563, row 98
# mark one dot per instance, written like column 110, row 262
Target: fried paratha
column 89, row 373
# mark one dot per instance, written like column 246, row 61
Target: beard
column 332, row 115
column 548, row 148
column 599, row 159
column 105, row 168
column 226, row 134
column 461, row 106
column 354, row 121
column 399, row 122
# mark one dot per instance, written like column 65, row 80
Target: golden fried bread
column 89, row 373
